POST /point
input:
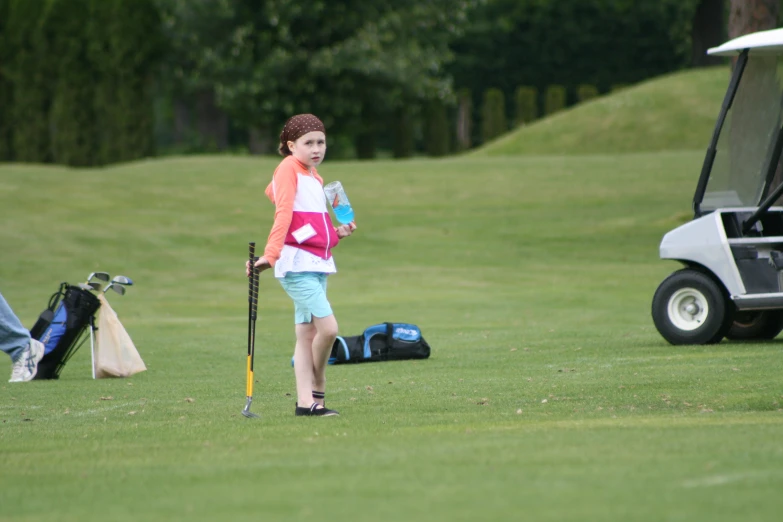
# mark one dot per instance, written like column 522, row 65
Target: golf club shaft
column 250, row 320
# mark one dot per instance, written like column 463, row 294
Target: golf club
column 89, row 287
column 92, row 345
column 251, row 329
column 103, row 276
column 117, row 288
column 121, row 279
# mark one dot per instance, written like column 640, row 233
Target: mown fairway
column 549, row 394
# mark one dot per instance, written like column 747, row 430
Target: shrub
column 493, row 115
column 525, row 104
column 586, row 92
column 554, row 99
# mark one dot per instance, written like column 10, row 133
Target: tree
column 30, row 69
column 708, row 31
column 353, row 63
column 125, row 48
column 6, row 88
column 570, row 42
column 749, row 16
column 199, row 33
column 74, row 133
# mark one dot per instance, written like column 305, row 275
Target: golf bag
column 61, row 327
column 381, row 342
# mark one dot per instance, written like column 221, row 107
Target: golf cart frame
column 732, row 251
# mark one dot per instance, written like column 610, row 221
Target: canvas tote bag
column 115, row 353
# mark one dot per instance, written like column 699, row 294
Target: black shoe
column 314, row 410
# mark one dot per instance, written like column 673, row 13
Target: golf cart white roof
column 767, row 42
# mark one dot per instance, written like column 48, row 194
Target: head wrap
column 296, row 127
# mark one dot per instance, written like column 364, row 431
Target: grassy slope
column 673, row 112
column 549, row 394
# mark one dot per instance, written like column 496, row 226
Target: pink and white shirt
column 302, row 235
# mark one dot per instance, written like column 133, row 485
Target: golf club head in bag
column 103, row 276
column 122, row 280
column 117, row 288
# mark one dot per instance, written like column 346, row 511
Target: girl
column 299, row 250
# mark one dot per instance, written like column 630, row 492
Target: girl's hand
column 345, row 230
column 261, row 264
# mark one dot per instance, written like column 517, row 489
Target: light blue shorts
column 308, row 290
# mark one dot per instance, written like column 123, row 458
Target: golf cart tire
column 756, row 325
column 690, row 307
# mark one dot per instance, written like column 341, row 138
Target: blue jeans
column 13, row 336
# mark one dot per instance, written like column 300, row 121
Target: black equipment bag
column 61, row 327
column 381, row 342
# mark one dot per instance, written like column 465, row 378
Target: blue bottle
column 338, row 200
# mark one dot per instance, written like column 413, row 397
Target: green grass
column 672, row 112
column 549, row 394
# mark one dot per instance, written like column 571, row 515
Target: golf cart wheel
column 689, row 307
column 760, row 325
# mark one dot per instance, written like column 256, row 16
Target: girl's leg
column 303, row 364
column 325, row 334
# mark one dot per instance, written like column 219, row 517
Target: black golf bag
column 61, row 327
column 381, row 342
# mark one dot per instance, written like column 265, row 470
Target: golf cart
column 732, row 282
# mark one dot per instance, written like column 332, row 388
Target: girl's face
column 310, row 148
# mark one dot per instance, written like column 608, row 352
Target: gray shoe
column 26, row 366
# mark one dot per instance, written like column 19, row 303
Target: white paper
column 304, row 233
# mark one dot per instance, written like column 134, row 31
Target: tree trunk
column 6, row 126
column 211, row 122
column 365, row 139
column 259, row 141
column 708, row 31
column 749, row 16
column 464, row 121
column 181, row 121
column 365, row 145
column 403, row 134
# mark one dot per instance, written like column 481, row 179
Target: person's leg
column 15, row 340
column 14, row 337
column 314, row 339
column 326, row 333
column 303, row 364
column 326, row 328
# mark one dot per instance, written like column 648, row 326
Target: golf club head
column 103, row 276
column 246, row 411
column 117, row 288
column 94, row 285
column 121, row 279
column 89, row 287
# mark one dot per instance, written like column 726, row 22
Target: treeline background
column 93, row 82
